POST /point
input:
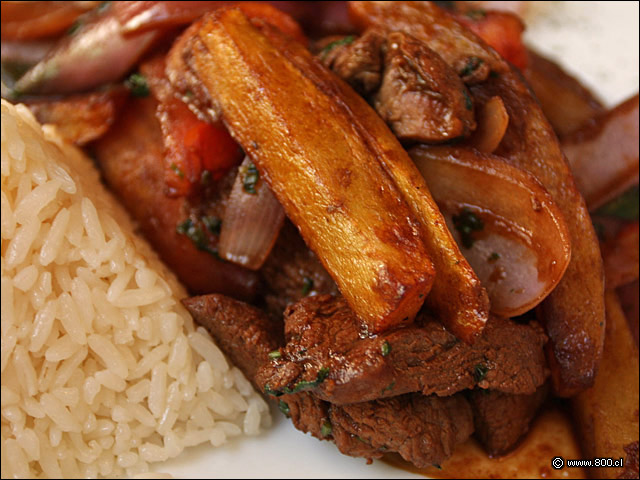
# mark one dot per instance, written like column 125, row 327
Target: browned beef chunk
column 502, row 419
column 423, row 430
column 410, row 86
column 291, row 272
column 357, row 61
column 329, row 352
column 243, row 332
column 421, row 97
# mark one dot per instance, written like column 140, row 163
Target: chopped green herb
column 435, row 465
column 386, row 348
column 343, row 41
column 269, row 391
column 473, row 63
column 480, row 372
column 600, row 230
column 213, row 224
column 307, row 285
column 205, row 177
column 284, row 408
column 251, row 178
column 74, row 28
column 494, row 74
column 137, row 85
column 494, row 257
column 326, row 428
column 446, row 4
column 466, row 223
column 476, row 14
column 177, row 170
column 468, row 103
column 624, row 207
column 196, row 234
column 103, row 7
column 389, row 387
column 275, row 354
column 323, row 373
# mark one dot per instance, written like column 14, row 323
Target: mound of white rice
column 103, row 371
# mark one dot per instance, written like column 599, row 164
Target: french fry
column 457, row 296
column 607, row 413
column 298, row 128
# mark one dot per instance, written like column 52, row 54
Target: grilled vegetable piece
column 603, row 154
column 320, row 163
column 607, row 413
column 574, row 312
column 31, row 20
column 131, row 159
column 523, row 248
column 95, row 54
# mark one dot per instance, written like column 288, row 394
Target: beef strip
column 423, row 430
column 502, row 419
column 329, row 351
column 291, row 272
column 414, row 90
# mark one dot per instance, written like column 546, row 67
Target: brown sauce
column 551, row 435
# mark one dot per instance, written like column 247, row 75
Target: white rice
column 103, row 371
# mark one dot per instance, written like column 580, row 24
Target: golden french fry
column 607, row 413
column 299, row 129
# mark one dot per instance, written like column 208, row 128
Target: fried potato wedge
column 607, row 413
column 321, row 163
column 573, row 313
column 522, row 247
column 457, row 296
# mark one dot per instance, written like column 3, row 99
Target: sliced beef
column 357, row 61
column 421, row 97
column 410, row 86
column 329, row 352
column 502, row 419
column 423, row 430
column 243, row 332
column 291, row 272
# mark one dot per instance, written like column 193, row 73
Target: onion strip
column 252, row 221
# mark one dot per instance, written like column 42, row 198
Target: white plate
column 598, row 42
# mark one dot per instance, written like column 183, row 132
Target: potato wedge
column 574, row 312
column 607, row 413
column 522, row 248
column 320, row 164
column 457, row 296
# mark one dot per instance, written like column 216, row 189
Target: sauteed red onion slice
column 96, row 54
column 252, row 220
column 603, row 155
column 518, row 246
